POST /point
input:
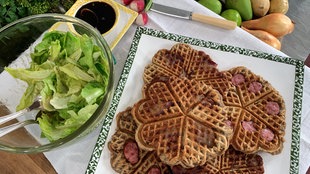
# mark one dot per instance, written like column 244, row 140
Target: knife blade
column 184, row 14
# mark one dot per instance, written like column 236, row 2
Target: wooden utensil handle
column 222, row 23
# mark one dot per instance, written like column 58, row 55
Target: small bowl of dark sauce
column 102, row 15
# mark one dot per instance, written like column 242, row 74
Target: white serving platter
column 285, row 74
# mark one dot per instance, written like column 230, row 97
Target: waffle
column 125, row 132
column 184, row 121
column 260, row 124
column 231, row 162
column 184, row 61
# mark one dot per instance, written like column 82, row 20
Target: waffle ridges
column 183, row 120
column 231, row 162
column 183, row 61
column 247, row 97
column 126, row 128
column 253, row 110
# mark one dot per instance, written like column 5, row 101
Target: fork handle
column 7, row 129
column 12, row 116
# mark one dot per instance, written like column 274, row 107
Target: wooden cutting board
column 11, row 163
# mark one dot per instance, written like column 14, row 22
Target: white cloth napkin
column 304, row 152
column 74, row 158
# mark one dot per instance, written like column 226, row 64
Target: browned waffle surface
column 261, row 122
column 184, row 61
column 183, row 120
column 231, row 162
column 191, row 113
column 126, row 156
column 259, row 105
column 249, row 86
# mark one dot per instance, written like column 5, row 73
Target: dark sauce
column 98, row 14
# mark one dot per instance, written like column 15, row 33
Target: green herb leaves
column 10, row 11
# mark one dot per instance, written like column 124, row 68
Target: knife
column 180, row 13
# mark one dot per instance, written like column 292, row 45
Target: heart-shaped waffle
column 261, row 122
column 259, row 106
column 126, row 156
column 183, row 120
column 184, row 61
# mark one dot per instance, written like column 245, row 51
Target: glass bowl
column 18, row 41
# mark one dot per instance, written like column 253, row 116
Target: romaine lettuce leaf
column 30, row 95
column 28, row 75
column 92, row 91
column 75, row 72
column 54, row 130
column 70, row 73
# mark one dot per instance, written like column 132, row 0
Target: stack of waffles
column 128, row 158
column 195, row 118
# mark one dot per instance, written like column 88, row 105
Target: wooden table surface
column 11, row 163
column 25, row 163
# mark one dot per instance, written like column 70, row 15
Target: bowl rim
column 104, row 105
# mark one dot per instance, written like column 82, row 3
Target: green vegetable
column 46, row 6
column 37, row 6
column 11, row 10
column 71, row 75
column 148, row 5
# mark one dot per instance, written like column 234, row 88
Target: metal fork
column 35, row 105
column 7, row 129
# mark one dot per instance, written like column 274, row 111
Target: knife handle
column 222, row 23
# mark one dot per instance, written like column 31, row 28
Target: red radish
column 142, row 18
column 126, row 2
column 137, row 5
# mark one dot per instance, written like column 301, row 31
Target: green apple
column 232, row 15
column 213, row 5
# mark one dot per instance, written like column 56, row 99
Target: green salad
column 70, row 73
